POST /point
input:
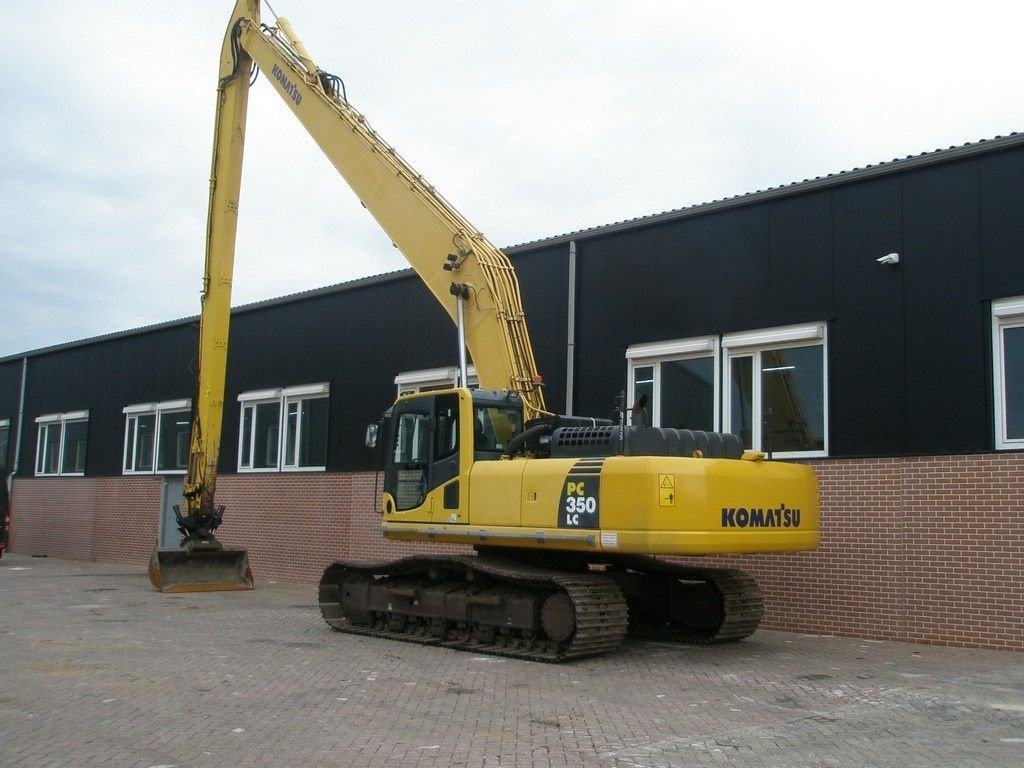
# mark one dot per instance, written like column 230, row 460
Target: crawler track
column 479, row 604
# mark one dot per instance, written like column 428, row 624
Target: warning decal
column 667, row 490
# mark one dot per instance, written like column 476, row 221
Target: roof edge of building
column 192, row 319
column 896, row 165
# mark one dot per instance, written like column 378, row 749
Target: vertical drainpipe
column 21, row 420
column 570, row 344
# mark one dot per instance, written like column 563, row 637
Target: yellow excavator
column 567, row 515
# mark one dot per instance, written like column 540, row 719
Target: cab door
column 423, row 456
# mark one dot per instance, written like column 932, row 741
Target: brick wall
column 109, row 519
column 918, row 549
column 294, row 525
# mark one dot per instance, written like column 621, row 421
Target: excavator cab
column 201, row 564
column 430, row 441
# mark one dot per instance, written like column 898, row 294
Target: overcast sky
column 534, row 118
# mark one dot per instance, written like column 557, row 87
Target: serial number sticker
column 609, row 540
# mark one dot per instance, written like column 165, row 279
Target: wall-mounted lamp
column 890, row 259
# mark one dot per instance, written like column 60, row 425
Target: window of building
column 60, row 449
column 774, row 394
column 680, row 381
column 411, row 382
column 284, row 429
column 5, row 441
column 767, row 386
column 1008, row 371
column 156, row 437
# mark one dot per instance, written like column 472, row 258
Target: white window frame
column 412, row 382
column 284, row 397
column 753, row 344
column 1006, row 313
column 157, row 410
column 46, row 422
column 654, row 353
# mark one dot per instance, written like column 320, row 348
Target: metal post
column 461, row 293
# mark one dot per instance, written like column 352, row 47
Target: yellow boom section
column 215, row 318
column 437, row 241
column 205, row 565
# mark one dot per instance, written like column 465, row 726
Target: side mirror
column 371, row 435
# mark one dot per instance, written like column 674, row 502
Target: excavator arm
column 202, row 516
column 472, row 279
column 447, row 252
column 203, row 564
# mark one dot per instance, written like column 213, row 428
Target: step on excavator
column 564, row 522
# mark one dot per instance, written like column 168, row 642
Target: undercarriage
column 546, row 607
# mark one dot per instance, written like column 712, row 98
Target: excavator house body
column 434, row 490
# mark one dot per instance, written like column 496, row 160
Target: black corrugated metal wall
column 909, row 346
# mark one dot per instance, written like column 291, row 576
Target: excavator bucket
column 200, row 570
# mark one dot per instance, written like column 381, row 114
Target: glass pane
column 793, row 388
column 494, row 427
column 688, row 394
column 48, row 452
column 266, row 433
column 52, row 447
column 741, row 397
column 291, row 432
column 412, row 442
column 74, row 446
column 129, row 444
column 1013, row 371
column 245, row 454
column 313, row 431
column 174, row 438
column 145, row 432
column 411, row 438
column 446, row 409
column 643, row 390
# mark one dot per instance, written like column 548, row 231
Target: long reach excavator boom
column 568, row 516
column 419, row 221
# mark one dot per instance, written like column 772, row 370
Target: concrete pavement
column 99, row 669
